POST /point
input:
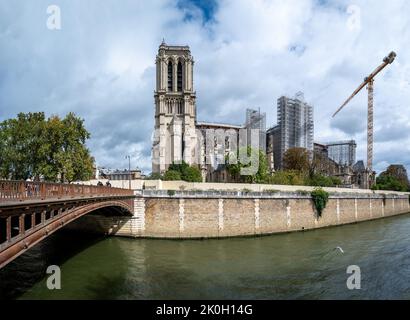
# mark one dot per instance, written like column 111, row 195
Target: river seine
column 303, row 265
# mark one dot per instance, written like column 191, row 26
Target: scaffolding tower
column 257, row 120
column 343, row 152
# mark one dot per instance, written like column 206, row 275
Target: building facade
column 175, row 109
column 178, row 136
column 255, row 120
column 295, row 128
column 343, row 152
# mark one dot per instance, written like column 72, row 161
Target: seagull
column 341, row 250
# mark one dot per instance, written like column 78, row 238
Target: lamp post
column 129, row 171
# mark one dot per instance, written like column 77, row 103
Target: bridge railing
column 31, row 190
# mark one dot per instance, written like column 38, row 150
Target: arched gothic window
column 179, row 76
column 170, row 76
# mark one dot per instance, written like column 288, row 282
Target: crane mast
column 369, row 81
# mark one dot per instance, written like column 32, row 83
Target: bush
column 289, row 177
column 320, row 198
column 336, row 181
column 172, row 175
column 185, row 172
column 389, row 183
column 154, row 176
column 319, row 180
column 171, row 192
column 191, row 174
column 255, row 156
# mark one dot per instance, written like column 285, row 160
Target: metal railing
column 30, row 190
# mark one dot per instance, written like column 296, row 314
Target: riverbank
column 220, row 214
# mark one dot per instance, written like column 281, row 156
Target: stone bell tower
column 175, row 110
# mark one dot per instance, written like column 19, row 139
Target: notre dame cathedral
column 175, row 110
column 178, row 136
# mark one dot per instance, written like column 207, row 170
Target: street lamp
column 129, row 171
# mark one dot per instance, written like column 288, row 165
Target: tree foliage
column 172, row 175
column 296, row 159
column 320, row 180
column 394, row 178
column 183, row 171
column 254, row 156
column 154, row 176
column 289, row 177
column 386, row 182
column 52, row 149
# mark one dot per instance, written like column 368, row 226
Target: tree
column 192, row 174
column 154, row 176
column 185, row 172
column 64, row 151
column 320, row 180
column 21, row 139
column 296, row 159
column 51, row 149
column 254, row 156
column 289, row 177
column 399, row 173
column 172, row 175
column 386, row 182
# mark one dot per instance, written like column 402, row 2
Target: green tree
column 288, row 177
column 185, row 171
column 386, row 182
column 296, row 159
column 255, row 156
column 172, row 175
column 20, row 145
column 192, row 174
column 393, row 178
column 53, row 149
column 320, row 180
column 154, row 176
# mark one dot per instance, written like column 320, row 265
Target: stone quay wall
column 213, row 214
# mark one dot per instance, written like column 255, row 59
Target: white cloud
column 101, row 66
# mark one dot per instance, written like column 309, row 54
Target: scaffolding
column 295, row 126
column 256, row 120
column 342, row 152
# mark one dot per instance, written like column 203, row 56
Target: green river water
column 302, row 265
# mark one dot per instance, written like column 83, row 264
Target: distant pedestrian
column 108, row 184
column 99, row 184
column 29, row 187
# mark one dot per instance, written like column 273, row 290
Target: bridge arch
column 40, row 232
column 30, row 212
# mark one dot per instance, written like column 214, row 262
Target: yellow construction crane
column 369, row 81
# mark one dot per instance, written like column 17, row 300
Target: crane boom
column 369, row 81
column 387, row 60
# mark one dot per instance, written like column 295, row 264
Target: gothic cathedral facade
column 175, row 110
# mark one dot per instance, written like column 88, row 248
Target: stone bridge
column 31, row 211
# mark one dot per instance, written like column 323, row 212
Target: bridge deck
column 33, row 202
column 22, row 191
column 30, row 211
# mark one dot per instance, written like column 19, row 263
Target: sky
column 100, row 64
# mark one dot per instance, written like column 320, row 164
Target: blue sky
column 101, row 65
column 207, row 7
